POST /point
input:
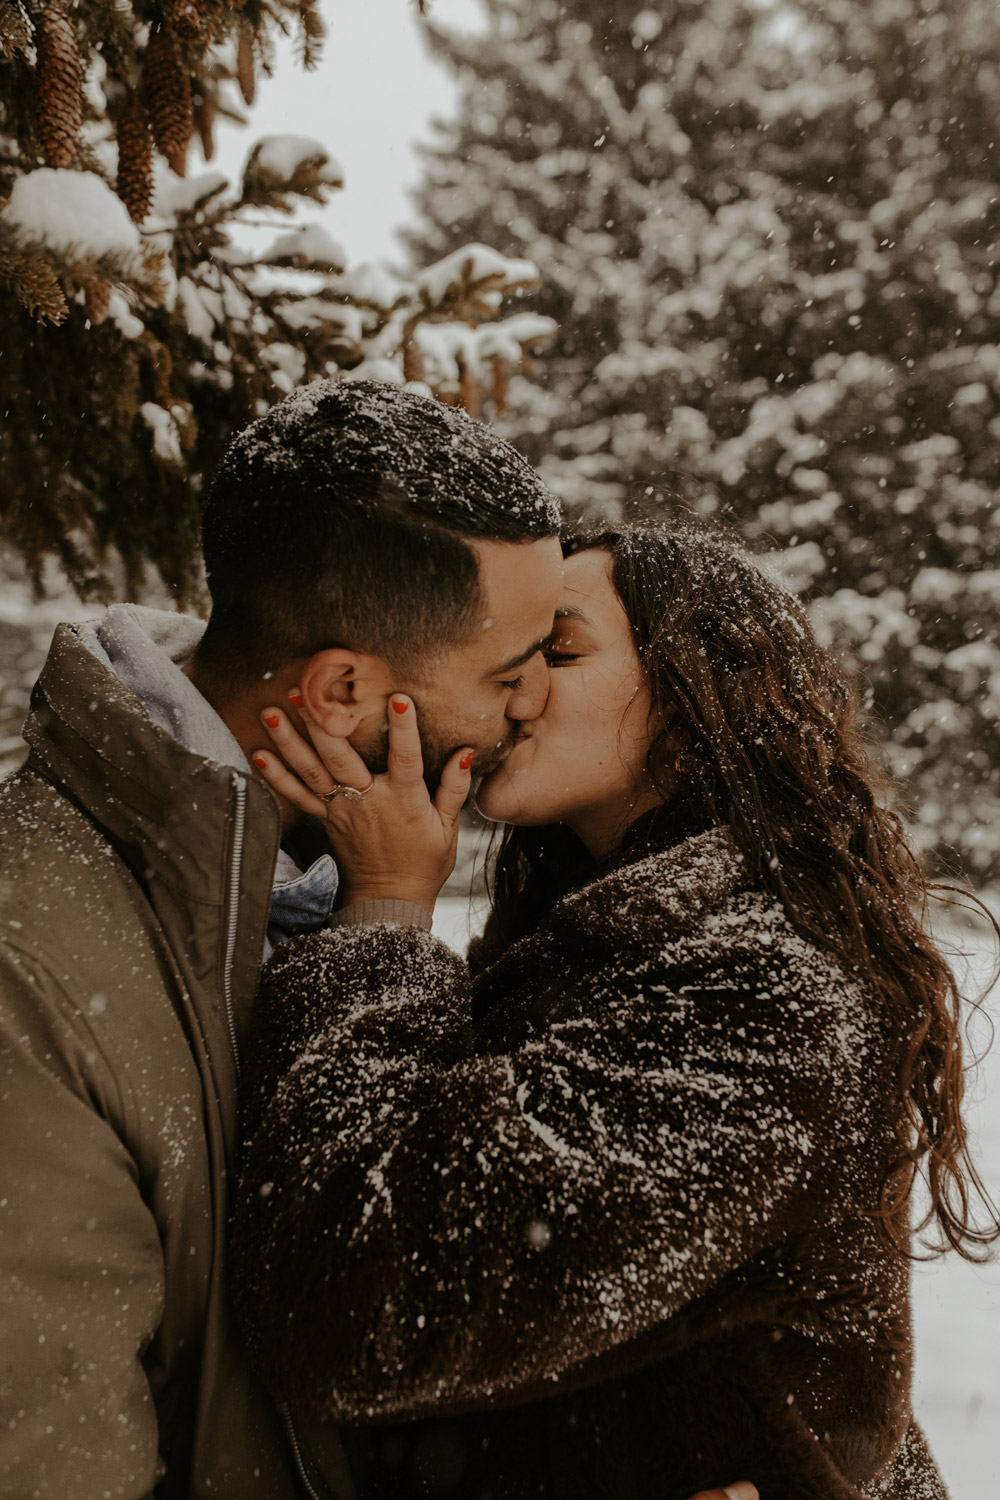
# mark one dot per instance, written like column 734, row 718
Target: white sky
column 372, row 95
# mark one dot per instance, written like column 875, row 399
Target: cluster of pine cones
column 159, row 112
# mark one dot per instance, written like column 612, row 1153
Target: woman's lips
column 502, row 759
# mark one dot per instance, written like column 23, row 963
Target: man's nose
column 530, row 698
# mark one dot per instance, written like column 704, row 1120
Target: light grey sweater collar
column 145, row 649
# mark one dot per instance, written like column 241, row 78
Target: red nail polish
column 296, row 698
column 259, row 761
column 272, row 721
column 466, row 761
column 400, row 708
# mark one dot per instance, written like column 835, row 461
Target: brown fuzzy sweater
column 592, row 1226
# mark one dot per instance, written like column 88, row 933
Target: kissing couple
column 618, row 1205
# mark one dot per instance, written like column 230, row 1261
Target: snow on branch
column 290, row 164
column 475, row 273
column 173, row 333
column 76, row 222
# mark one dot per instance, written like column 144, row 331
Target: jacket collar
column 170, row 812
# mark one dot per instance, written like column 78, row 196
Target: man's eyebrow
column 522, row 656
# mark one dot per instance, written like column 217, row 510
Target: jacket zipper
column 293, row 1443
column 235, row 870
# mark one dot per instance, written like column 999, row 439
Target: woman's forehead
column 588, row 595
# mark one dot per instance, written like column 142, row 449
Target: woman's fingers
column 453, row 788
column 281, row 780
column 396, row 840
column 320, row 760
column 335, row 751
column 406, row 760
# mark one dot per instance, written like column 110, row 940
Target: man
column 359, row 539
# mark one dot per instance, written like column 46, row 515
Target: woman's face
column 583, row 761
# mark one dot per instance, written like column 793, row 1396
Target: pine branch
column 31, row 278
column 159, row 390
column 15, row 29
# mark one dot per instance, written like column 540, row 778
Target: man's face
column 478, row 692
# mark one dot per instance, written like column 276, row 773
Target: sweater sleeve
column 424, row 1229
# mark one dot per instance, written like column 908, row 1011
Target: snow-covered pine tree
column 768, row 231
column 135, row 335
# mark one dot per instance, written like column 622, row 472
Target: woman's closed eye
column 556, row 658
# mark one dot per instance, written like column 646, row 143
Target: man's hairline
column 404, row 663
column 414, row 665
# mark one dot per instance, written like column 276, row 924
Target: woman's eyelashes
column 554, row 658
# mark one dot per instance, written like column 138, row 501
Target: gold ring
column 351, row 793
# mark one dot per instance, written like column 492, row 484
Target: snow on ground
column 956, row 1305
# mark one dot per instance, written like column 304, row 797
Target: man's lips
column 495, row 761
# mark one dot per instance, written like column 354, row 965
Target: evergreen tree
column 768, row 231
column 135, row 335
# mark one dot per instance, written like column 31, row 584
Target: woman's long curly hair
column 755, row 727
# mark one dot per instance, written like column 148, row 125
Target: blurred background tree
column 136, row 335
column 768, row 232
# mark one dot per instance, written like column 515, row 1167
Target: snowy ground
column 956, row 1305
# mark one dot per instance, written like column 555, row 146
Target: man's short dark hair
column 343, row 518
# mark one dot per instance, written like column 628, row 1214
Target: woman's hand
column 392, row 842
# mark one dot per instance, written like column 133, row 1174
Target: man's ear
column 340, row 688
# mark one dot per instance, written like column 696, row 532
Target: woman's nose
column 529, row 699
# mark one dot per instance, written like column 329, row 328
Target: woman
column 625, row 1200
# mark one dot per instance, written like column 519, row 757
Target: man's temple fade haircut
column 343, row 518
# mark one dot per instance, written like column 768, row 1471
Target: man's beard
column 436, row 753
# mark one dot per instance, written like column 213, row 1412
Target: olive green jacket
column 135, row 880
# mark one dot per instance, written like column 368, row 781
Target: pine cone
column 204, row 122
column 135, row 161
column 413, row 363
column 97, row 300
column 58, row 87
column 245, row 65
column 167, row 90
column 470, row 392
column 187, row 18
column 500, row 386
